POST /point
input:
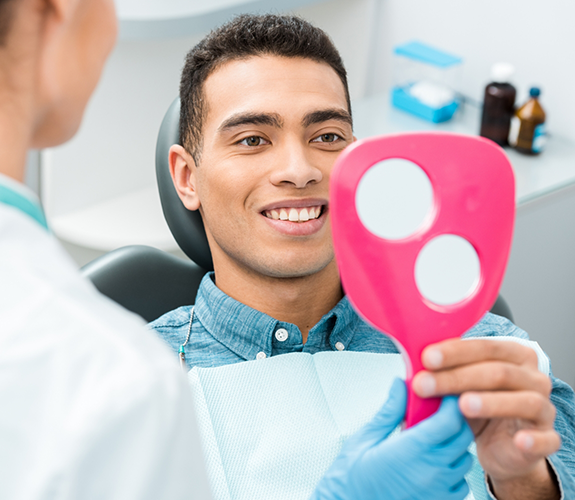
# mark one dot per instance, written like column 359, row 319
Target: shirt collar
column 248, row 332
column 17, row 195
column 342, row 318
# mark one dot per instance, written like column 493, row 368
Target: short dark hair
column 243, row 37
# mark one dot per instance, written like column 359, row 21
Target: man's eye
column 327, row 138
column 253, row 140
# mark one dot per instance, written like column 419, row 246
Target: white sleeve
column 147, row 450
column 92, row 405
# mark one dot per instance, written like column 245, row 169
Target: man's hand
column 506, row 401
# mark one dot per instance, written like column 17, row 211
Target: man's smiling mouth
column 302, row 214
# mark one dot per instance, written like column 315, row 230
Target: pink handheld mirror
column 422, row 226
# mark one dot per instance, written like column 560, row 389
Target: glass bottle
column 527, row 133
column 498, row 104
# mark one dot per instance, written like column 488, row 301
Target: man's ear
column 183, row 172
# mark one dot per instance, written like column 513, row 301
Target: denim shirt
column 225, row 331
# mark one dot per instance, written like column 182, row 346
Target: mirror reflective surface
column 394, row 198
column 447, row 270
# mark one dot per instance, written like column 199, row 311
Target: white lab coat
column 92, row 406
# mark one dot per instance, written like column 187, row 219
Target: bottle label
column 539, row 138
column 514, row 131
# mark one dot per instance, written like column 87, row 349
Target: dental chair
column 151, row 282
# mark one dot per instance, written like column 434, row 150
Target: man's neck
column 301, row 301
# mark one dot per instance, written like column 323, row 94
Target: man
column 93, row 406
column 265, row 112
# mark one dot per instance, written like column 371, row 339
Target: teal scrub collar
column 19, row 200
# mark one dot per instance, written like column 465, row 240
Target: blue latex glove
column 428, row 461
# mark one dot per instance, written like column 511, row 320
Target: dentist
column 92, row 406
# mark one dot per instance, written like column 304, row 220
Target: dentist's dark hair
column 243, row 37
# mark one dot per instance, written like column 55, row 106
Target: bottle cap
column 534, row 91
column 502, row 72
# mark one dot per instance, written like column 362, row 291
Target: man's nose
column 295, row 167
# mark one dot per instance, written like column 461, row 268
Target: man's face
column 273, row 130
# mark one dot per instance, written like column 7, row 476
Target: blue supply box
column 425, row 80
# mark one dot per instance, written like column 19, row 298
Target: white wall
column 353, row 26
column 537, row 37
column 113, row 152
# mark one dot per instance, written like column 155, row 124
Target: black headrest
column 186, row 225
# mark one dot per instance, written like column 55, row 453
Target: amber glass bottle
column 527, row 134
column 498, row 105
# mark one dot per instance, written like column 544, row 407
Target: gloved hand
column 427, row 461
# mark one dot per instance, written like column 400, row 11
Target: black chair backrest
column 501, row 308
column 145, row 280
column 186, row 226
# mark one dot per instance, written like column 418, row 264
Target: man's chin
column 291, row 270
column 274, row 265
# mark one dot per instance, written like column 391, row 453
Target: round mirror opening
column 447, row 270
column 393, row 198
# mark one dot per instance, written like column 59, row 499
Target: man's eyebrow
column 237, row 120
column 325, row 115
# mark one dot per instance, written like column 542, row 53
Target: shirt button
column 282, row 334
column 339, row 346
column 261, row 355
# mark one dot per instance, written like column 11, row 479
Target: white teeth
column 294, row 214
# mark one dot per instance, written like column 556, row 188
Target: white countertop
column 135, row 218
column 536, row 176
